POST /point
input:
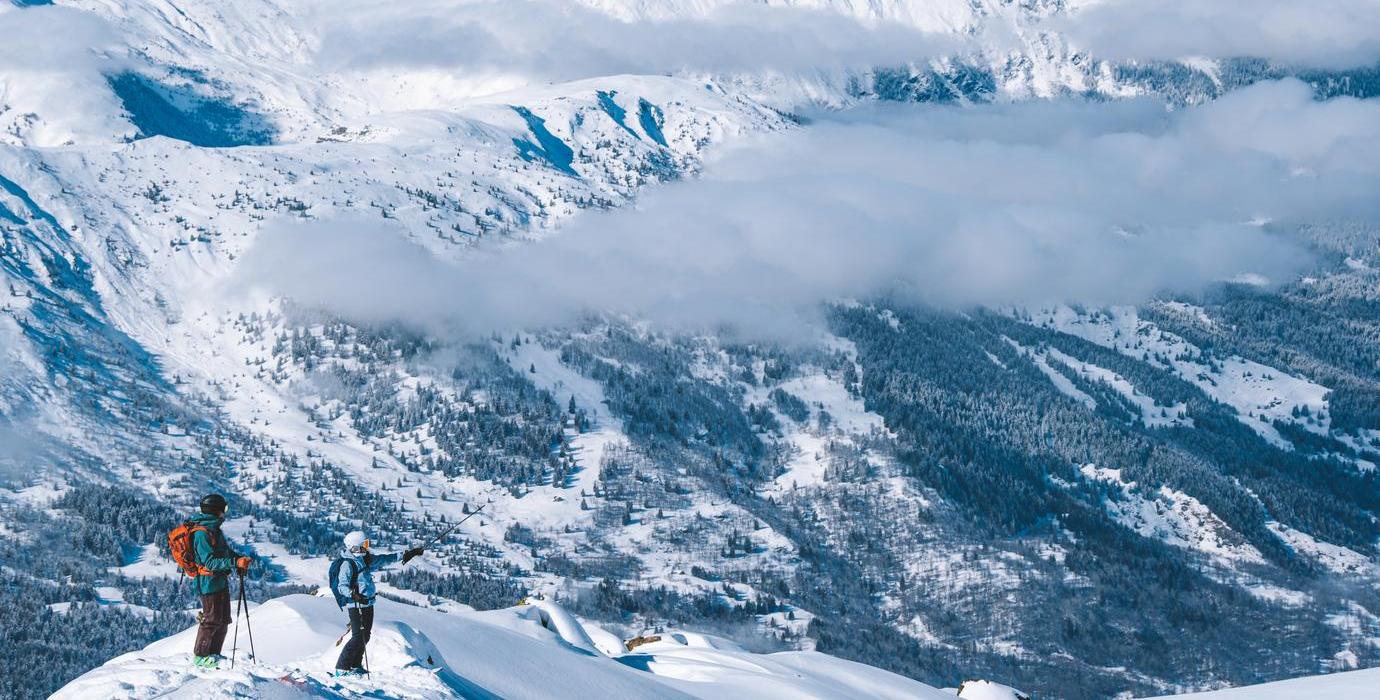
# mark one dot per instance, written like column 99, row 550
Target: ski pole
column 244, row 602
column 451, row 529
column 364, row 642
column 350, row 630
column 235, row 646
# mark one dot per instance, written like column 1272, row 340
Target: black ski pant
column 361, row 626
column 215, row 619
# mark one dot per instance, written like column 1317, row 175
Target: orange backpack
column 183, row 551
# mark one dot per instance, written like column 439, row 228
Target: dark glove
column 413, row 553
column 242, row 564
column 359, row 597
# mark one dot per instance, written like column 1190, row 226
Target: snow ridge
column 532, row 651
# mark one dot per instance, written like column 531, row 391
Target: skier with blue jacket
column 352, row 582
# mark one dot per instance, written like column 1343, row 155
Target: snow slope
column 1175, row 518
column 1354, row 685
column 1260, row 394
column 295, row 68
column 530, row 651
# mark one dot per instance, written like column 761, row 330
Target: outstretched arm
column 385, row 560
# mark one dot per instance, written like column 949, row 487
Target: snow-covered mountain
column 1080, row 501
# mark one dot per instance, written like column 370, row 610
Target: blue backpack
column 343, row 600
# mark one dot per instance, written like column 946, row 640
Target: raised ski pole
column 341, row 639
column 451, row 529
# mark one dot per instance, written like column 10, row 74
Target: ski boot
column 211, row 662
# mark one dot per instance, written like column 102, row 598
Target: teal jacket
column 214, row 553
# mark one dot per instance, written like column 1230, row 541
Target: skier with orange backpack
column 200, row 550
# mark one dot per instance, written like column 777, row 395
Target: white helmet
column 355, row 540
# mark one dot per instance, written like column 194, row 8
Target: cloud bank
column 53, row 62
column 1315, row 33
column 1005, row 204
column 23, row 449
column 561, row 41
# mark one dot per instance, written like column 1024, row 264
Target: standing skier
column 214, row 561
column 352, row 582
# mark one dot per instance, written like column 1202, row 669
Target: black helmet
column 213, row 504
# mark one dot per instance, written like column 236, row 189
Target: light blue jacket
column 362, row 565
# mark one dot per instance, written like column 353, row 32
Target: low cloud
column 53, row 63
column 23, row 450
column 24, row 453
column 560, row 41
column 52, row 38
column 1004, row 204
column 1316, row 33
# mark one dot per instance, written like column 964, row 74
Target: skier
column 215, row 560
column 352, row 582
